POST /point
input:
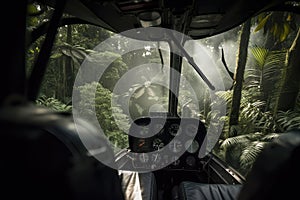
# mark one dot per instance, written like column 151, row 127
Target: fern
column 53, row 104
column 250, row 153
column 288, row 120
column 233, row 141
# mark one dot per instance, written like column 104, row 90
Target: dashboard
column 171, row 141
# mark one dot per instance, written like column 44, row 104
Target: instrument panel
column 159, row 140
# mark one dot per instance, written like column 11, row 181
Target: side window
column 74, row 43
column 268, row 92
column 77, row 45
column 262, row 100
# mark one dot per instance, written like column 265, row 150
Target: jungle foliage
column 262, row 114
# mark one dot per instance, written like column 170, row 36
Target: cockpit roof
column 195, row 18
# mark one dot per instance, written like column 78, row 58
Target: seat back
column 191, row 190
column 42, row 157
column 275, row 174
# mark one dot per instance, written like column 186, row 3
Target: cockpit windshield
column 251, row 94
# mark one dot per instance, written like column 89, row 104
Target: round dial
column 157, row 144
column 156, row 158
column 175, row 146
column 190, row 161
column 144, row 157
column 174, row 129
column 176, row 161
column 192, row 146
column 144, row 130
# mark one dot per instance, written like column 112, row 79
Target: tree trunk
column 61, row 84
column 239, row 73
column 69, row 66
column 291, row 80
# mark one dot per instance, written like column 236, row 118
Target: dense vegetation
column 269, row 91
column 262, row 103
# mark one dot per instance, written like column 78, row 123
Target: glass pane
column 121, row 82
column 269, row 93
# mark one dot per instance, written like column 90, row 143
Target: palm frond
column 233, row 141
column 139, row 92
column 250, row 153
column 270, row 137
column 262, row 20
column 225, row 95
column 288, row 120
column 297, row 104
column 53, row 104
column 260, row 54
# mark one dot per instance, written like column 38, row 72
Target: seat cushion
column 203, row 191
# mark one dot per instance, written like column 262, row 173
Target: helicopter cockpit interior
column 139, row 125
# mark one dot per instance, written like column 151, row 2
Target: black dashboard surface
column 177, row 141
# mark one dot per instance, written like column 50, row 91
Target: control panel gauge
column 170, row 141
column 190, row 161
column 142, row 145
column 176, row 161
column 156, row 158
column 175, row 146
column 144, row 157
column 174, row 129
column 192, row 146
column 157, row 144
column 144, row 130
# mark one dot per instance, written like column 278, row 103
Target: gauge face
column 156, row 158
column 190, row 161
column 191, row 129
column 144, row 157
column 174, row 129
column 175, row 146
column 175, row 160
column 141, row 143
column 157, row 144
column 192, row 146
column 144, row 130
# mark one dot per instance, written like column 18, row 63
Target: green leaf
column 262, row 23
column 32, row 9
column 56, row 55
column 260, row 54
column 66, row 52
column 79, row 54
